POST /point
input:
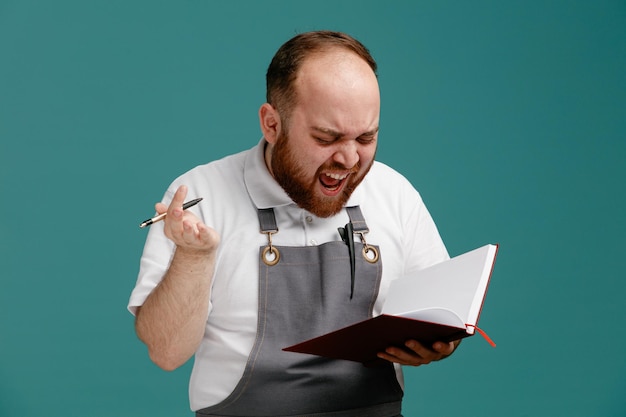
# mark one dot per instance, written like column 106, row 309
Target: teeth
column 336, row 176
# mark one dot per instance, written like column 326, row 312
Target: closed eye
column 324, row 141
column 366, row 139
column 327, row 136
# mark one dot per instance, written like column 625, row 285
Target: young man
column 260, row 264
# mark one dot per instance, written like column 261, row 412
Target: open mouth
column 332, row 182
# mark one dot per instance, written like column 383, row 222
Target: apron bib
column 305, row 292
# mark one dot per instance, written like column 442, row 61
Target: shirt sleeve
column 426, row 248
column 156, row 257
column 423, row 244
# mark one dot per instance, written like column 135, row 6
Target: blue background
column 509, row 117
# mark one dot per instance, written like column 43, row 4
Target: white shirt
column 233, row 188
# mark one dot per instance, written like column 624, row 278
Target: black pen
column 162, row 215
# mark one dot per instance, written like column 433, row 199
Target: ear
column 270, row 122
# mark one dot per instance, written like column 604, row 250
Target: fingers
column 177, row 201
column 175, row 210
column 160, row 208
column 184, row 228
column 174, row 221
column 444, row 349
column 194, row 232
column 417, row 354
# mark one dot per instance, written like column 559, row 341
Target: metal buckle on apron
column 270, row 254
column 358, row 225
column 267, row 220
column 373, row 258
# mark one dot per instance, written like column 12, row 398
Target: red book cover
column 362, row 341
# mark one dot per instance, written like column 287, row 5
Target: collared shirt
column 233, row 188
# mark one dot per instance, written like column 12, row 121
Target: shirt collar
column 263, row 189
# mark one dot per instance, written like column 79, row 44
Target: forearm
column 172, row 320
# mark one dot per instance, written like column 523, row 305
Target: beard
column 291, row 176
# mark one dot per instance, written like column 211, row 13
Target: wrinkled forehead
column 337, row 91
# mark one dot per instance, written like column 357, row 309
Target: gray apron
column 305, row 292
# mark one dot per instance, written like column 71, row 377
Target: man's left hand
column 416, row 354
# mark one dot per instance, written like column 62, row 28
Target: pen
column 162, row 215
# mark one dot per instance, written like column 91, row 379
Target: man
column 263, row 263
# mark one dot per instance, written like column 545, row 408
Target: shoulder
column 389, row 197
column 221, row 177
column 229, row 166
column 224, row 172
column 384, row 181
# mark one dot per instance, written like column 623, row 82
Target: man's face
column 330, row 142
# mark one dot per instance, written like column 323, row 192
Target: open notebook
column 439, row 303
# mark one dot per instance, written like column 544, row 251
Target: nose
column 347, row 154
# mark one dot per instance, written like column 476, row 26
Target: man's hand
column 184, row 228
column 417, row 354
column 172, row 320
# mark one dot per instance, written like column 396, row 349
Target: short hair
column 283, row 70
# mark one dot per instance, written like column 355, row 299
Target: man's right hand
column 172, row 320
column 184, row 228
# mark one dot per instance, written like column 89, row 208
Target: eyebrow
column 336, row 134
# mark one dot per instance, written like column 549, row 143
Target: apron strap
column 357, row 219
column 267, row 220
column 357, row 225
